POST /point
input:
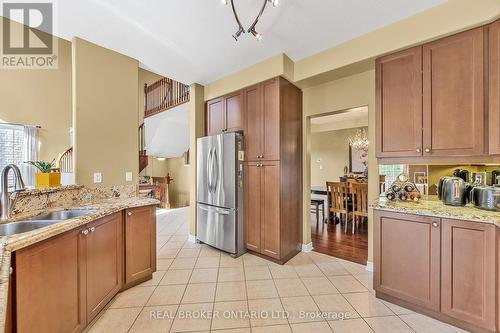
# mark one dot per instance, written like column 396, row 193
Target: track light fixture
column 238, row 33
column 252, row 29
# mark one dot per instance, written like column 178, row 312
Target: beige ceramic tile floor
column 199, row 289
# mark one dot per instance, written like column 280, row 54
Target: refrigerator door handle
column 220, row 211
column 209, row 170
column 215, row 162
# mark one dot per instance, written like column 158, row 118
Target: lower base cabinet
column 59, row 285
column 140, row 244
column 442, row 267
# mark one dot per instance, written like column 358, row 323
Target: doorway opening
column 339, row 184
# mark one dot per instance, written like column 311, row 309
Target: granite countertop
column 431, row 206
column 9, row 244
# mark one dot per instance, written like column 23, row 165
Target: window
column 391, row 172
column 11, row 147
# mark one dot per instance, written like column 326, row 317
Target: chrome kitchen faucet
column 6, row 202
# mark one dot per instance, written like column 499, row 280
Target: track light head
column 224, row 2
column 274, row 2
column 256, row 34
column 238, row 33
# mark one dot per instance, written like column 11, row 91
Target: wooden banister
column 65, row 162
column 164, row 94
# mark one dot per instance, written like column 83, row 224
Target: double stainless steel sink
column 41, row 221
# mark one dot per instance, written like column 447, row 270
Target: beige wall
column 329, row 155
column 41, row 97
column 179, row 188
column 144, row 77
column 196, row 110
column 155, row 168
column 104, row 114
column 274, row 66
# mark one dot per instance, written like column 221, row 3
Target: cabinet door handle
column 418, row 150
column 85, row 232
column 427, row 150
column 435, row 224
column 92, row 229
column 129, row 213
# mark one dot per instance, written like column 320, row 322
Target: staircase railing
column 65, row 161
column 143, row 158
column 164, row 94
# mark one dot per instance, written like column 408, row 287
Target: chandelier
column 241, row 30
column 360, row 140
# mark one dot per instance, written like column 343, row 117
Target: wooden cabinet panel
column 235, row 116
column 50, row 285
column 253, row 132
column 494, row 88
column 468, row 272
column 271, row 120
column 407, row 267
column 270, row 212
column 104, row 254
column 453, row 95
column 215, row 116
column 140, row 244
column 399, row 104
column 252, row 209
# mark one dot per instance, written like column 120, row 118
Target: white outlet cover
column 128, row 176
column 321, row 167
column 97, row 177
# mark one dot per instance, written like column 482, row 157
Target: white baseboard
column 369, row 266
column 307, row 247
column 192, row 238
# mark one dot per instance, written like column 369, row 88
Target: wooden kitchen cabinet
column 140, row 244
column 216, row 116
column 446, row 269
column 270, row 212
column 50, row 285
column 407, row 268
column 273, row 166
column 468, row 272
column 453, row 95
column 262, row 202
column 399, row 104
column 225, row 114
column 494, row 88
column 104, row 262
column 253, row 132
column 430, row 100
column 253, row 206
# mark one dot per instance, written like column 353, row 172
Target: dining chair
column 360, row 203
column 336, row 194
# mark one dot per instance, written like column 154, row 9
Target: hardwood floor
column 334, row 241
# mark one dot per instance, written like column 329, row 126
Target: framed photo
column 356, row 159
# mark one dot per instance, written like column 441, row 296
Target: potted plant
column 47, row 175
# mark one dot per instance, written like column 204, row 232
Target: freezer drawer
column 217, row 227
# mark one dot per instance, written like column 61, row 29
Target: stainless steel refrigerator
column 219, row 204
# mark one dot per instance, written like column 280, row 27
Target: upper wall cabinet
column 494, row 93
column 453, row 98
column 225, row 114
column 430, row 99
column 399, row 104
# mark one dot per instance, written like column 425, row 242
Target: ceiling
column 352, row 118
column 190, row 40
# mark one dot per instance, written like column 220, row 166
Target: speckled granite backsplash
column 32, row 201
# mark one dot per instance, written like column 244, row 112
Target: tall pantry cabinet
column 272, row 116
